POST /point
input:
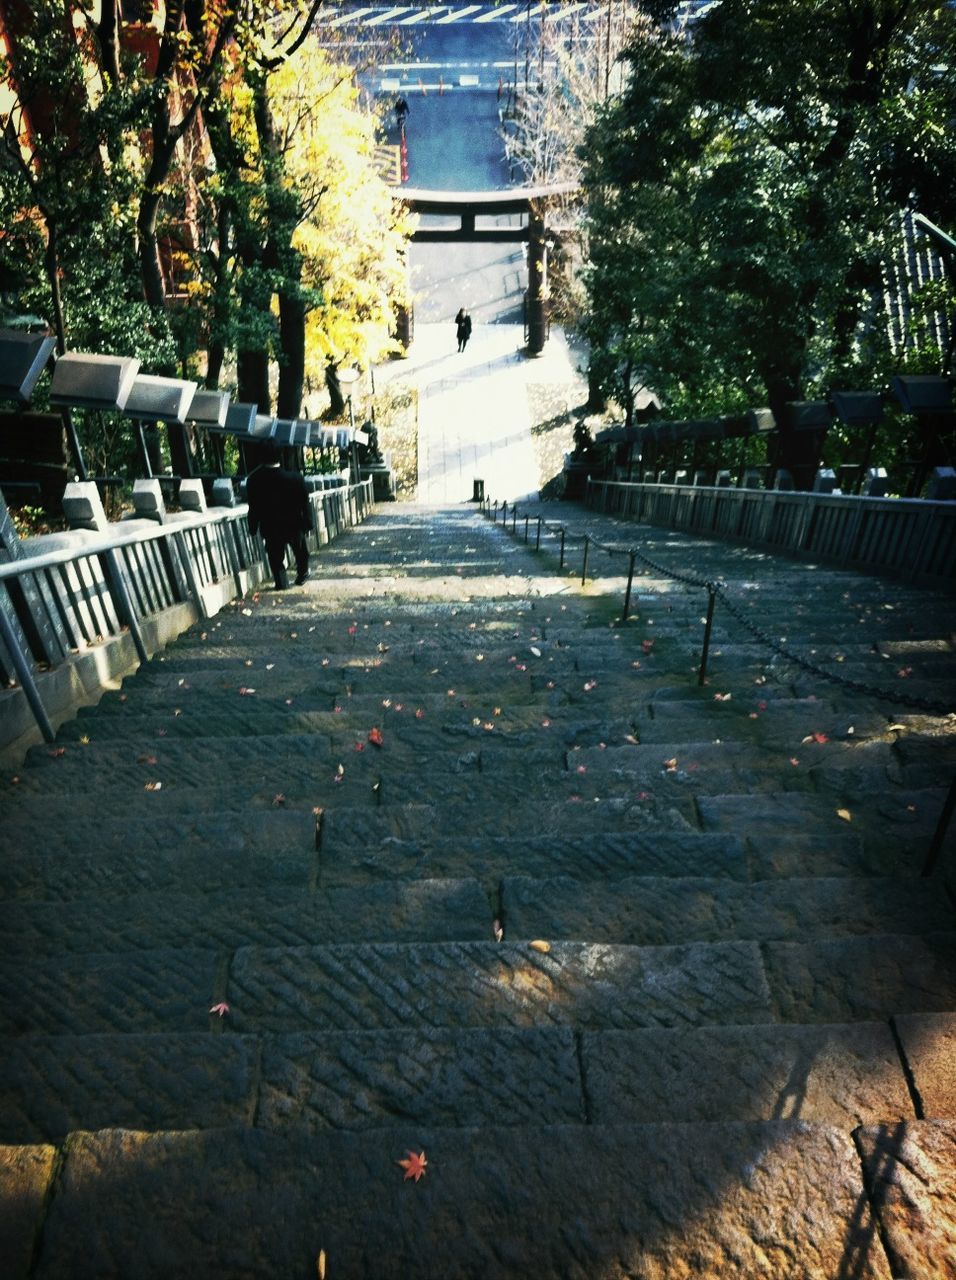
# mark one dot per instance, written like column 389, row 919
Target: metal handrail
column 359, row 498
column 66, row 555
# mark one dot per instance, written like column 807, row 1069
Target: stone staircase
column 434, row 855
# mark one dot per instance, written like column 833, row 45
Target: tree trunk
column 51, row 265
column 253, row 378
column 292, row 365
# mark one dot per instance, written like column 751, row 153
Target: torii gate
column 466, row 206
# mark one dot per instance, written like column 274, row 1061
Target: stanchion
column 584, row 568
column 526, row 519
column 561, row 561
column 537, row 541
column 936, row 846
column 627, row 593
column 514, row 518
column 708, row 626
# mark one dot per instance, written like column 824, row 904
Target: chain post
column 514, row 518
column 494, row 514
column 936, row 846
column 537, row 541
column 630, row 582
column 561, row 562
column 584, row 568
column 708, row 626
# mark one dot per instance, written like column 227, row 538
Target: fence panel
column 903, row 536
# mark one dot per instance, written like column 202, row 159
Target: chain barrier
column 719, row 589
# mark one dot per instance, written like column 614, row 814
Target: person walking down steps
column 279, row 506
column 463, row 327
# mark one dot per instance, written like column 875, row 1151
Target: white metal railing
column 64, row 602
column 908, row 537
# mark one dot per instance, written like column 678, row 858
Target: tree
column 302, row 261
column 761, row 166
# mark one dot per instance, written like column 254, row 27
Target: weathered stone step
column 291, row 763
column 415, row 911
column 349, row 860
column 441, row 714
column 843, row 1075
column 50, row 1085
column 463, row 984
column 906, row 815
column 116, row 856
column 490, row 984
column 651, row 911
column 357, row 847
column 781, row 1199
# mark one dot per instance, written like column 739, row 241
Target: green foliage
column 745, row 194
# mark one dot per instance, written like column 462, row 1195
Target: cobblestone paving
column 437, row 854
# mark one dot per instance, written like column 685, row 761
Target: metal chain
column 858, row 686
column 719, row 588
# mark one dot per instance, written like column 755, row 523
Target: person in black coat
column 279, row 506
column 463, row 328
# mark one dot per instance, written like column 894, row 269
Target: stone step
column 781, row 1198
column 906, row 815
column 357, row 848
column 592, row 985
column 192, row 853
column 405, row 986
column 443, row 715
column 393, row 911
column 292, row 763
column 652, row 911
column 842, row 1075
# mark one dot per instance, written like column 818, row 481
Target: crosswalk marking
column 441, row 15
column 456, row 15
column 390, row 15
column 498, row 12
column 350, row 15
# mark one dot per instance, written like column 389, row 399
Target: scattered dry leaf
column 414, row 1166
column 540, row 945
column 498, row 930
column 844, row 814
column 278, row 799
column 320, row 1265
column 221, row 1008
column 153, row 786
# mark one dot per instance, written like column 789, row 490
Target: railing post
column 939, row 835
column 537, row 541
column 584, row 568
column 126, row 610
column 526, row 520
column 561, row 561
column 494, row 512
column 191, row 575
column 708, row 626
column 630, row 581
column 25, row 672
column 514, row 518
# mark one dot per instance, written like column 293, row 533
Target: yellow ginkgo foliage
column 352, row 234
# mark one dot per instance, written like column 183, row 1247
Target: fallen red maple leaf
column 375, row 737
column 414, row 1166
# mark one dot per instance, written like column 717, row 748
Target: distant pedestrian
column 463, row 328
column 279, row 506
column 401, row 112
